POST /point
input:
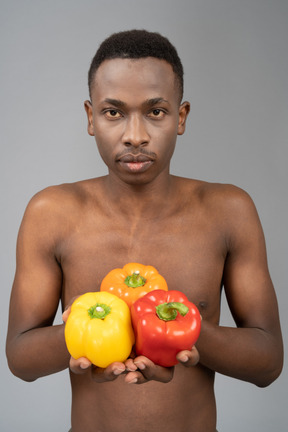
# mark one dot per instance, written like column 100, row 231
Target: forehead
column 152, row 76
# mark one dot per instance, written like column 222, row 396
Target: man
column 200, row 236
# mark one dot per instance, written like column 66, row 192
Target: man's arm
column 253, row 351
column 34, row 347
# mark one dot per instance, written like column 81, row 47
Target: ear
column 183, row 114
column 89, row 112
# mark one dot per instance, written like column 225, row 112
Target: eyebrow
column 115, row 102
column 149, row 102
column 155, row 101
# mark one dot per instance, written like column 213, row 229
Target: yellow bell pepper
column 99, row 328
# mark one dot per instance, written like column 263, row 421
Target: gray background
column 236, row 68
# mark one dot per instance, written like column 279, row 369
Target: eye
column 156, row 113
column 112, row 114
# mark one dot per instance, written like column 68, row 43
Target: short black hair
column 136, row 44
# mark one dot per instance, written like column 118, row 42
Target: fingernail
column 134, row 381
column 84, row 365
column 184, row 359
column 131, row 369
column 140, row 366
column 118, row 371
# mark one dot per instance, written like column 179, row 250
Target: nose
column 135, row 133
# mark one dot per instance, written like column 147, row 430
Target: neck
column 139, row 199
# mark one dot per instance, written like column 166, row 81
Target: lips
column 128, row 158
column 135, row 163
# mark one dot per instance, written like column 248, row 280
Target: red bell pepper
column 165, row 323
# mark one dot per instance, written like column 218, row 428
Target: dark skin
column 200, row 237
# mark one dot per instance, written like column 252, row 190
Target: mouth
column 135, row 163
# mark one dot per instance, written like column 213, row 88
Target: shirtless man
column 200, row 236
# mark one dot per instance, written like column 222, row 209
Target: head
column 137, row 44
column 135, row 112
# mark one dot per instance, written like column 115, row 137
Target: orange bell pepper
column 133, row 281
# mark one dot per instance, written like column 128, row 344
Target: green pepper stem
column 169, row 311
column 135, row 280
column 99, row 311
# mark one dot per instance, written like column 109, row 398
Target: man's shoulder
column 65, row 193
column 227, row 193
column 62, row 199
column 209, row 190
column 221, row 196
column 231, row 206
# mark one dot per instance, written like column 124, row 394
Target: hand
column 188, row 358
column 138, row 370
column 83, row 365
column 141, row 370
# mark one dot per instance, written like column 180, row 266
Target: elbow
column 272, row 360
column 20, row 372
column 268, row 378
column 17, row 368
column 22, row 375
column 269, row 375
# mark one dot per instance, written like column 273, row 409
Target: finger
column 130, row 366
column 135, row 378
column 66, row 314
column 189, row 358
column 79, row 366
column 133, row 374
column 149, row 371
column 110, row 373
column 68, row 308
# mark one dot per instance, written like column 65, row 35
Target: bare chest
column 189, row 252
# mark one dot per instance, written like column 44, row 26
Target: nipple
column 202, row 305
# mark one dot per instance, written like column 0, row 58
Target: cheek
column 165, row 138
column 107, row 140
column 104, row 132
column 103, row 148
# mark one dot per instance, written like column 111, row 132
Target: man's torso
column 186, row 242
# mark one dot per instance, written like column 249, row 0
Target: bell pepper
column 164, row 323
column 99, row 328
column 133, row 281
